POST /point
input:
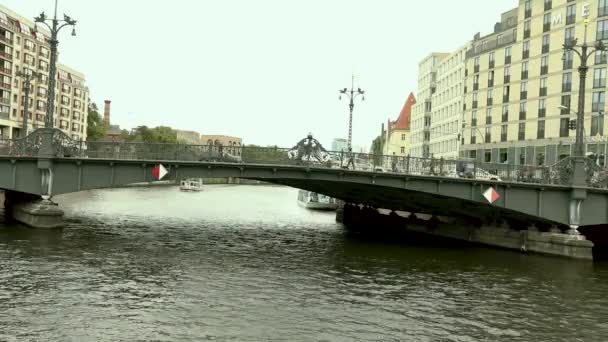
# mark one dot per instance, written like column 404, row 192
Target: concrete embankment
column 525, row 239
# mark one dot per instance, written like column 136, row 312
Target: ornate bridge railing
column 64, row 147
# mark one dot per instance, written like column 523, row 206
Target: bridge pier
column 32, row 210
column 533, row 238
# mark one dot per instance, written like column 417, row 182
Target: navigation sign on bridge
column 491, row 195
column 159, row 172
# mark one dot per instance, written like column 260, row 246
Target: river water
column 246, row 263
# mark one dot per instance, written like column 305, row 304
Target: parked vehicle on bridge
column 218, row 155
column 313, row 200
column 466, row 168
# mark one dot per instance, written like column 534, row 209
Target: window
column 507, row 78
column 503, row 132
column 474, row 118
column 599, row 78
column 521, row 132
column 473, row 136
column 508, row 55
column 569, row 34
column 544, row 65
column 565, row 104
column 602, row 8
column 564, row 131
column 527, row 25
column 547, row 22
column 489, row 116
column 402, row 137
column 597, row 125
column 505, row 113
column 474, row 100
column 567, row 82
column 548, row 4
column 540, row 129
column 491, row 57
column 571, row 14
column 526, row 50
column 564, row 151
column 568, row 58
column 602, row 30
column 543, row 87
column 542, row 108
column 402, row 149
column 505, row 93
column 599, row 101
column 528, row 9
column 523, row 109
column 601, row 57
column 524, row 70
column 488, row 134
column 523, row 93
column 491, row 78
column 546, row 43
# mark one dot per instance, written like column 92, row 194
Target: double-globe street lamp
column 351, row 94
column 579, row 176
column 28, row 77
column 54, row 27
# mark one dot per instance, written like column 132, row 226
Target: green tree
column 96, row 126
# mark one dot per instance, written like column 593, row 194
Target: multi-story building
column 522, row 89
column 23, row 49
column 222, row 140
column 397, row 139
column 421, row 112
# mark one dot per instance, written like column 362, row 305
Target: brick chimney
column 106, row 111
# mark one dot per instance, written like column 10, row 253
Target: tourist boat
column 313, row 200
column 191, row 184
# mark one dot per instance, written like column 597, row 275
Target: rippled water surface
column 245, row 263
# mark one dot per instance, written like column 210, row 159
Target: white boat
column 191, row 184
column 313, row 200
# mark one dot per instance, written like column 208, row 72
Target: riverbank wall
column 525, row 239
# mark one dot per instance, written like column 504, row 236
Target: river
column 246, row 263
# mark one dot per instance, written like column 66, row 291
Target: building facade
column 23, row 50
column 191, row 137
column 397, row 139
column 421, row 111
column 522, row 89
column 223, row 140
column 339, row 144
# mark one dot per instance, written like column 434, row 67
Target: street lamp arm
column 64, row 25
column 45, row 24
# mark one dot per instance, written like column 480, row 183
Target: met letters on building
column 585, row 12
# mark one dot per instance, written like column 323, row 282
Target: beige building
column 397, row 139
column 518, row 77
column 437, row 122
column 223, row 140
column 23, row 49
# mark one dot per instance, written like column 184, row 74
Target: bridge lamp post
column 28, row 76
column 352, row 94
column 584, row 51
column 54, row 27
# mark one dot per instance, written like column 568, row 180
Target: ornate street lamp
column 55, row 26
column 585, row 52
column 28, row 76
column 352, row 94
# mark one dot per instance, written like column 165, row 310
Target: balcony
column 475, row 86
column 524, row 75
column 522, row 115
column 488, row 120
column 542, row 112
column 490, row 83
column 568, row 64
column 507, row 59
column 6, row 71
column 525, row 54
column 5, row 100
column 473, row 122
column 474, row 105
column 505, row 117
column 566, row 87
column 526, row 34
column 6, row 40
column 544, row 70
column 489, row 102
column 545, row 48
column 548, row 5
column 542, row 92
column 6, row 56
column 523, row 95
column 6, row 86
column 491, row 64
column 505, row 99
column 476, row 68
column 547, row 27
column 528, row 13
column 507, row 79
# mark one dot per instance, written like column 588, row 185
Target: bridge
column 558, row 199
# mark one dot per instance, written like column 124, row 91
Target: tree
column 96, row 126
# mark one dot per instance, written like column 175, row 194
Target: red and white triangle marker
column 159, row 171
column 491, row 195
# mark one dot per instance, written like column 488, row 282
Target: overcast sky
column 264, row 70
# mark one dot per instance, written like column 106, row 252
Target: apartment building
column 421, row 112
column 23, row 49
column 522, row 89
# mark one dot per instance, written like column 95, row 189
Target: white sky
column 265, row 70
